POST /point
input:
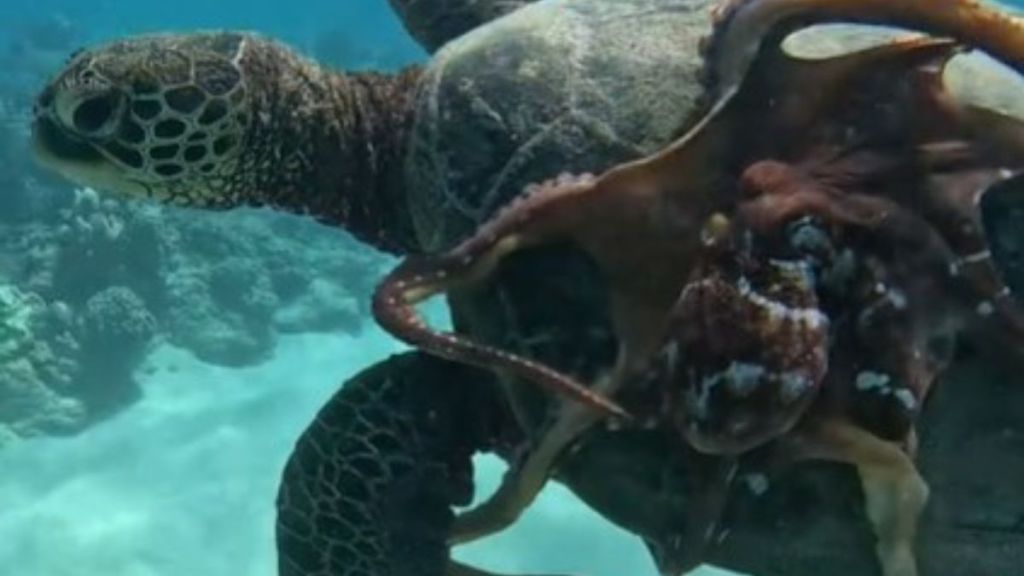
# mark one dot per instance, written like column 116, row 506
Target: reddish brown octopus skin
column 746, row 350
column 413, row 273
column 889, row 309
column 963, row 282
column 879, row 367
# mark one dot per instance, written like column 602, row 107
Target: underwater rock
column 238, row 279
column 33, row 375
column 214, row 333
column 243, row 286
column 105, row 243
column 116, row 321
column 116, row 329
column 212, row 282
column 97, row 279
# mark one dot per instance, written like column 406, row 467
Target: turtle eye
column 97, row 115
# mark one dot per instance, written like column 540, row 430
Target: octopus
column 782, row 276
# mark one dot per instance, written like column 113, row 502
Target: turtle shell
column 558, row 86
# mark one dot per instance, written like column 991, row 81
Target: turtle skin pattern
column 369, row 488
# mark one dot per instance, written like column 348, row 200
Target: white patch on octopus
column 796, row 269
column 985, row 308
column 741, row 378
column 810, row 317
column 907, row 398
column 757, row 483
column 868, row 380
column 975, row 258
column 702, row 283
column 892, row 296
column 794, row 387
column 898, row 298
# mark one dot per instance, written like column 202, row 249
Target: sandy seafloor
column 183, row 483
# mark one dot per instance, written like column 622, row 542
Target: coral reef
column 237, row 280
column 96, row 283
column 115, row 329
column 37, row 369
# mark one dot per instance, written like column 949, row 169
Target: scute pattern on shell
column 606, row 82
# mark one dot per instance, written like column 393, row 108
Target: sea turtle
column 412, row 162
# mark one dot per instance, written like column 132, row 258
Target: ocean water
column 182, row 481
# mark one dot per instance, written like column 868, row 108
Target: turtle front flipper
column 524, row 482
column 433, row 23
column 369, row 487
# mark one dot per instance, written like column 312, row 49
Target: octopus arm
column 530, row 220
column 744, row 26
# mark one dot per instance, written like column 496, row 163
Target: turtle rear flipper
column 370, row 486
column 435, row 22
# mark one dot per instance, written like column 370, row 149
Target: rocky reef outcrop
column 38, row 367
column 86, row 293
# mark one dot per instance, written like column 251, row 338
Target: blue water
column 362, row 22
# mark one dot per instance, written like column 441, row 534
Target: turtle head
column 225, row 119
column 163, row 117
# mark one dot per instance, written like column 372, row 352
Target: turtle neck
column 332, row 145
